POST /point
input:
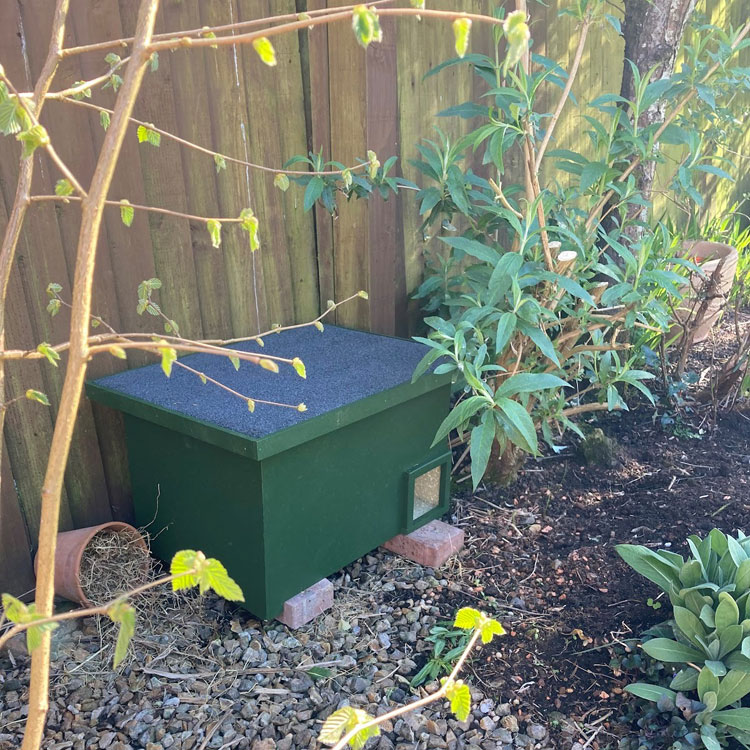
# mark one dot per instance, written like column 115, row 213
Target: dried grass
column 112, row 563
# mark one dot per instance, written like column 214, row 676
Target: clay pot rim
column 87, row 534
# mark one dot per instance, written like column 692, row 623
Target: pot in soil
column 96, row 563
column 719, row 263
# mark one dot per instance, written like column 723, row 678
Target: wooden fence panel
column 326, row 91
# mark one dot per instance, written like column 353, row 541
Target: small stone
column 510, row 722
column 486, row 706
column 384, row 639
column 487, row 724
column 106, row 739
column 536, row 731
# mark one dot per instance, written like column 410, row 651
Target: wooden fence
column 325, row 92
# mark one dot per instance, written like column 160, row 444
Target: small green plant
column 353, row 726
column 653, row 604
column 442, row 661
column 710, row 597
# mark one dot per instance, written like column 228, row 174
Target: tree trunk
column 653, row 31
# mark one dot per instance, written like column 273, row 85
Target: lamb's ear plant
column 710, row 650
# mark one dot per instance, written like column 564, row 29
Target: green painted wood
column 282, row 523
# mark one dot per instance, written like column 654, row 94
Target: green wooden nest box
column 284, row 498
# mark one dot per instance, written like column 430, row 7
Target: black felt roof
column 343, row 366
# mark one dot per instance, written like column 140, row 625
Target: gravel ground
column 204, row 675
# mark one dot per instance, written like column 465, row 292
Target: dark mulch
column 542, row 555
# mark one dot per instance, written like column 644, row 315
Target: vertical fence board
column 387, row 277
column 320, row 132
column 164, row 184
column 16, row 569
column 189, row 77
column 228, row 116
column 348, row 113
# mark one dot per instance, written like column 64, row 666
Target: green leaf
column 475, row 249
column 665, row 649
column 717, row 667
column 33, row 395
column 220, row 162
column 312, row 192
column 529, row 382
column 733, row 687
column 250, row 405
column 154, row 62
column 506, row 326
column 462, row 412
column 250, row 225
column 343, row 721
column 195, row 569
column 214, row 231
column 148, row 135
column 686, row 679
column 467, row 618
column 366, row 25
column 299, row 367
column 727, row 613
column 460, row 699
column 127, row 212
column 707, row 681
column 739, row 718
column 729, row 638
column 63, row 187
column 123, row 613
column 104, row 119
column 742, row 577
column 649, row 565
column 13, row 117
column 15, row 610
column 265, row 50
column 690, row 625
column 168, row 357
column 319, row 673
column 52, row 356
column 235, row 362
column 517, row 35
column 335, row 725
column 490, row 628
column 542, row 341
column 461, row 32
column 482, row 438
column 373, row 164
column 523, row 423
column 117, row 351
column 32, row 139
column 281, row 181
column 650, row 692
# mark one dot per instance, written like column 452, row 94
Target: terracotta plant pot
column 70, row 547
column 708, row 255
